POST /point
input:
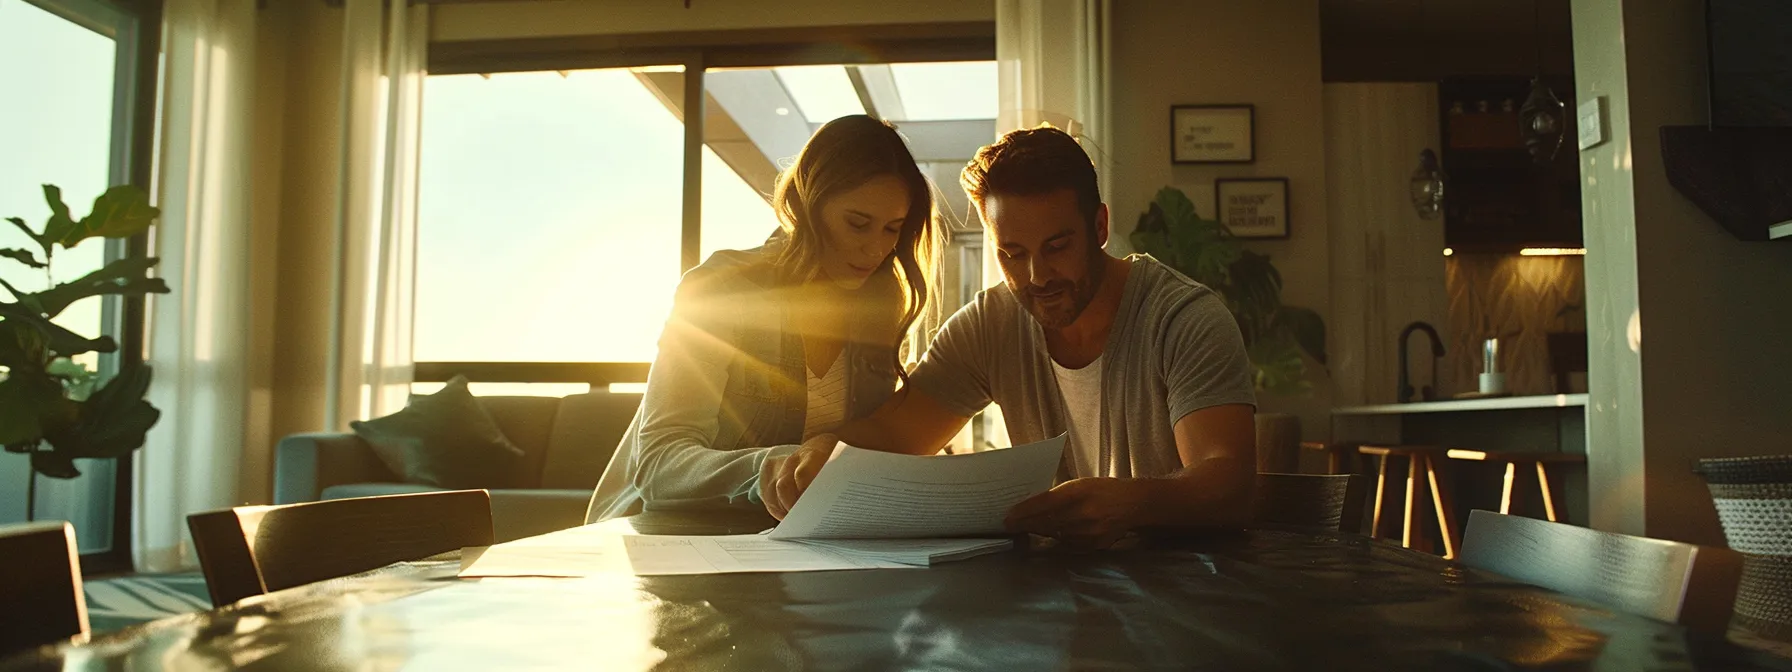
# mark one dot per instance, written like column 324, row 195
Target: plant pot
column 1278, row 443
column 1754, row 503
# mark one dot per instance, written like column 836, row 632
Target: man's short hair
column 1034, row 161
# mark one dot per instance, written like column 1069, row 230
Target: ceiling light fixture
column 1540, row 118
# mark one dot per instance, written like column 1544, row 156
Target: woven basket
column 1753, row 496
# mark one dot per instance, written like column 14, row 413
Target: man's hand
column 782, row 480
column 1093, row 512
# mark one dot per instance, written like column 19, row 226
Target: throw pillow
column 445, row 439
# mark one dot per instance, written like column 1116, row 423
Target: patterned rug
column 113, row 604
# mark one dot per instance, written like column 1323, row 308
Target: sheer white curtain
column 1052, row 65
column 1052, row 59
column 198, row 333
column 384, row 56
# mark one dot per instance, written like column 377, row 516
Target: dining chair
column 1309, row 502
column 40, row 588
column 253, row 550
column 1694, row 586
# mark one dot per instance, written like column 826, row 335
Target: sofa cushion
column 585, row 434
column 446, row 439
column 527, row 422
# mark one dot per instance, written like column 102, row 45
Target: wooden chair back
column 1312, row 502
column 252, row 550
column 1694, row 586
column 40, row 586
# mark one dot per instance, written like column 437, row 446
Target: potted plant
column 1276, row 335
column 49, row 406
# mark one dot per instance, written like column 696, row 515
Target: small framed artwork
column 1253, row 207
column 1213, row 133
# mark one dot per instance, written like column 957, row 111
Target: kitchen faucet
column 1437, row 351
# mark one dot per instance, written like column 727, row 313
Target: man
column 1144, row 368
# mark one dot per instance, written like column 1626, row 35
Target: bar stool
column 1513, row 460
column 1420, row 460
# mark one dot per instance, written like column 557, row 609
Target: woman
column 770, row 347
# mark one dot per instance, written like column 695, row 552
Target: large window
column 552, row 225
column 66, row 70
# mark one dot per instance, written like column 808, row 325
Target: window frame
column 696, row 51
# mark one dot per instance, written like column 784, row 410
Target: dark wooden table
column 1250, row 601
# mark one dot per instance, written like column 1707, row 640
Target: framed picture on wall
column 1254, row 207
column 1213, row 133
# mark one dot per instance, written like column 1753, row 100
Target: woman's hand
column 783, row 479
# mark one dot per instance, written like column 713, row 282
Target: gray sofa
column 566, row 443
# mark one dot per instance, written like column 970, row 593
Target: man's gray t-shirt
column 1174, row 349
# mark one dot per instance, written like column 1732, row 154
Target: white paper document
column 570, row 554
column 580, row 551
column 866, row 494
column 865, row 510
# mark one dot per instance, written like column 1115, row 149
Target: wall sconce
column 1427, row 186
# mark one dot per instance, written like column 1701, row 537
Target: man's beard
column 1066, row 307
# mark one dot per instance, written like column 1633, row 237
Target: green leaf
column 1307, row 329
column 1255, row 290
column 1199, row 248
column 123, row 211
column 27, row 229
column 113, row 422
column 1178, row 210
column 21, row 345
column 122, row 277
column 1279, row 368
column 60, row 221
column 54, row 464
column 22, row 256
column 18, row 413
column 1151, row 235
column 31, row 405
column 57, row 339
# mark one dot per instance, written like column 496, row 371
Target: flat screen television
column 1751, row 62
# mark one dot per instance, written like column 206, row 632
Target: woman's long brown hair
column 842, row 155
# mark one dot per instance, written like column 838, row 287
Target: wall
column 558, row 18
column 1714, row 380
column 1264, row 52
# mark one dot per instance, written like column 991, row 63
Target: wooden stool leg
column 1381, row 485
column 1446, row 511
column 1506, row 492
column 1413, row 464
column 1334, row 461
column 1549, row 503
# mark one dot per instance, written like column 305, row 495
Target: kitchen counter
column 1459, row 405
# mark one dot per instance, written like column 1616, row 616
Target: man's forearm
column 1213, row 493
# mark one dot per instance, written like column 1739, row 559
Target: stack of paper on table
column 865, row 510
